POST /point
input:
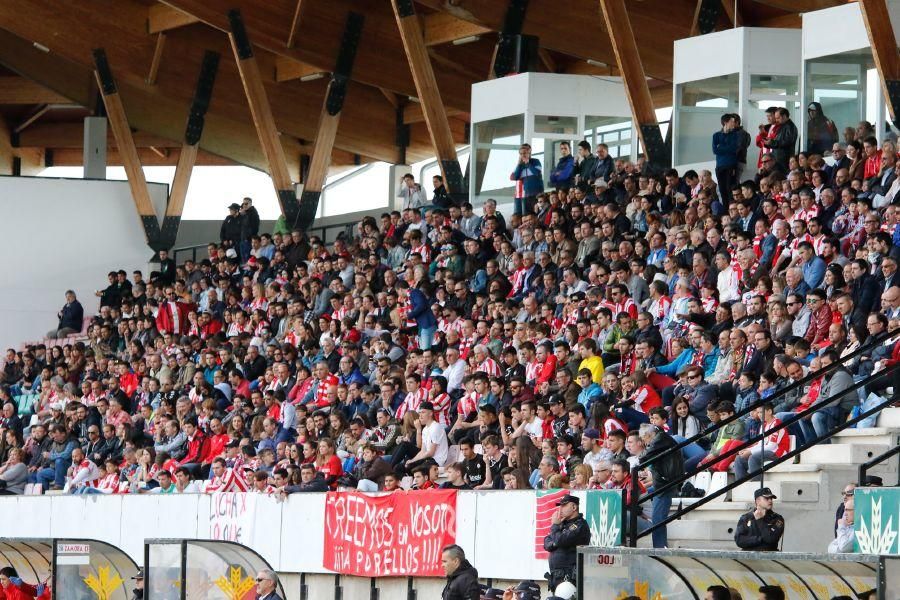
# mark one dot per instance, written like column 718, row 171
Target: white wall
column 496, row 529
column 61, row 234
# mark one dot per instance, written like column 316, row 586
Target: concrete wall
column 61, row 234
column 289, row 535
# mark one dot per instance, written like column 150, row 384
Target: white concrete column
column 94, row 158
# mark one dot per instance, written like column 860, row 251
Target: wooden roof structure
column 155, row 49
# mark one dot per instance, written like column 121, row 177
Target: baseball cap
column 569, row 498
column 489, row 593
column 592, row 434
column 764, row 493
column 139, row 574
column 528, row 590
column 555, row 399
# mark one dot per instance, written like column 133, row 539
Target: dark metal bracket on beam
column 454, row 180
column 241, row 39
column 655, row 146
column 893, row 90
column 511, row 43
column 337, row 91
column 202, row 96
column 708, row 18
column 302, row 216
column 101, row 64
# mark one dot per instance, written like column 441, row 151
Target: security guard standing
column 568, row 531
column 760, row 529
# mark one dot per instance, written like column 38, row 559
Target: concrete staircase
column 809, row 492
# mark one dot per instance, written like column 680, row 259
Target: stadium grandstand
column 619, row 319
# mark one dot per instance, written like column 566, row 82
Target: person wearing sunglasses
column 267, row 585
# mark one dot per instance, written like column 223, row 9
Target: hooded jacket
column 462, row 584
column 821, row 131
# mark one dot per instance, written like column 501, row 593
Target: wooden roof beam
column 802, row 6
column 118, row 122
column 429, row 95
column 74, row 157
column 618, row 25
column 19, row 90
column 329, row 120
column 162, row 18
column 287, row 69
column 444, row 28
column 884, row 50
column 260, row 109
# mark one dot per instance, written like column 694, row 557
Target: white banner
column 231, row 517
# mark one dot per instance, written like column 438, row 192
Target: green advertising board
column 876, row 519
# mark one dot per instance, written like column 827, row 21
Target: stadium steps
column 809, row 492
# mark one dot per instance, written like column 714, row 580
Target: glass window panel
column 496, row 153
column 700, row 107
column 714, row 92
column 555, row 125
column 774, row 85
column 843, row 84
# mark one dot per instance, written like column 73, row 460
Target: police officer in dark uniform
column 568, row 531
column 762, row 527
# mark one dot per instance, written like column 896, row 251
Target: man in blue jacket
column 420, row 310
column 56, row 461
column 563, row 176
column 70, row 316
column 529, row 181
column 725, row 145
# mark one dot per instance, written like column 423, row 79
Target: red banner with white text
column 394, row 534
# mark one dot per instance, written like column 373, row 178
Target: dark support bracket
column 305, row 212
column 655, row 147
column 241, row 39
column 401, row 137
column 893, row 88
column 202, row 96
column 101, row 64
column 708, row 18
column 337, row 91
column 512, row 45
column 453, row 180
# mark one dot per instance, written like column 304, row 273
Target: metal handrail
column 636, row 501
column 812, row 375
column 864, row 468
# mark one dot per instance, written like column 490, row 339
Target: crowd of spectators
column 600, row 323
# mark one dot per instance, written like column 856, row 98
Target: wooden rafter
column 260, row 109
column 295, row 24
column 157, row 57
column 443, row 28
column 884, row 51
column 618, row 25
column 287, row 69
column 802, row 6
column 161, row 18
column 118, row 122
column 18, row 90
column 428, row 93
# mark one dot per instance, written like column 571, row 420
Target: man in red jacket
column 196, row 443
column 173, row 315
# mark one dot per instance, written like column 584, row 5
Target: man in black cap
column 761, row 528
column 568, row 531
column 230, row 233
column 138, row 592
